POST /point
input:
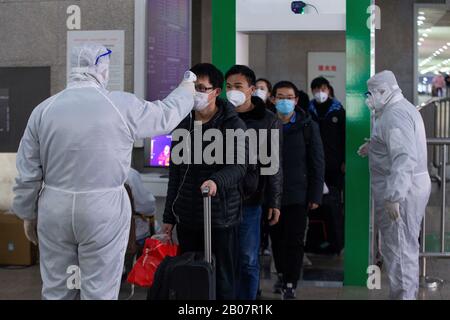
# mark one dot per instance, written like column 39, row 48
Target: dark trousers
column 332, row 207
column 288, row 243
column 265, row 229
column 225, row 251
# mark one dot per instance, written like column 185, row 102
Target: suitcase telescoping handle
column 207, row 223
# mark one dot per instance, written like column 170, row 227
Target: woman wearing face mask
column 263, row 89
column 303, row 178
column 184, row 202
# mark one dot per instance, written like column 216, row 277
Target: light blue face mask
column 285, row 106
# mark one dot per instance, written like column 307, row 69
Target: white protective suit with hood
column 399, row 177
column 73, row 161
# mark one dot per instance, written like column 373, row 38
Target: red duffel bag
column 155, row 250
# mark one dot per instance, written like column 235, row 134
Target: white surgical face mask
column 321, row 97
column 236, row 97
column 201, row 101
column 260, row 93
column 370, row 104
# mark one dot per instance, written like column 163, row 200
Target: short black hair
column 245, row 71
column 209, row 70
column 319, row 82
column 268, row 84
column 303, row 100
column 331, row 91
column 284, row 84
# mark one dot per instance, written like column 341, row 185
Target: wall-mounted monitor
column 157, row 151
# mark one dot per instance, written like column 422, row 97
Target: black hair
column 303, row 100
column 268, row 84
column 331, row 91
column 214, row 75
column 243, row 70
column 319, row 82
column 284, row 84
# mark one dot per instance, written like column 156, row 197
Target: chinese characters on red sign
column 327, row 68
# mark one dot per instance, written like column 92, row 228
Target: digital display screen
column 157, row 151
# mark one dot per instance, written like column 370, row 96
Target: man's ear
column 218, row 91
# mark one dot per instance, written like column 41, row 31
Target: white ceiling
column 437, row 26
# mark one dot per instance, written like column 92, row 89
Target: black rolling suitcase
column 191, row 276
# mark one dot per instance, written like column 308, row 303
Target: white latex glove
column 363, row 150
column 30, row 227
column 393, row 209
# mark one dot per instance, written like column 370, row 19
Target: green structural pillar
column 223, row 34
column 357, row 194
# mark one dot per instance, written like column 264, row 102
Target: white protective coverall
column 73, row 161
column 144, row 203
column 399, row 175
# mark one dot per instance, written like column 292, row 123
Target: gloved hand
column 30, row 227
column 363, row 150
column 393, row 209
column 189, row 82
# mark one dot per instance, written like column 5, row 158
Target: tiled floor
column 25, row 284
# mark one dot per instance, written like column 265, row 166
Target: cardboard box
column 15, row 249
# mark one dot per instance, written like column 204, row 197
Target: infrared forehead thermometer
column 189, row 76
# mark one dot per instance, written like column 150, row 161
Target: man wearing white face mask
column 399, row 180
column 240, row 82
column 329, row 113
column 184, row 202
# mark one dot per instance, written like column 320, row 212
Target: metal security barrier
column 442, row 144
column 436, row 114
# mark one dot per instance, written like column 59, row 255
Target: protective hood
column 90, row 63
column 384, row 89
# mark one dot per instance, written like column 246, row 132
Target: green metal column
column 357, row 194
column 223, row 34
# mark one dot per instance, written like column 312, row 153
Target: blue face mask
column 285, row 106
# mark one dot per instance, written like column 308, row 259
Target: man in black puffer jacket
column 304, row 169
column 240, row 87
column 184, row 202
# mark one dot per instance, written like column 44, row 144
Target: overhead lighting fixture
column 425, row 35
column 419, row 44
column 421, row 18
column 441, row 50
column 421, row 39
column 445, row 47
column 428, row 30
column 448, row 43
column 421, row 13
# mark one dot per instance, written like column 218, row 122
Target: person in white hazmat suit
column 144, row 203
column 400, row 181
column 73, row 161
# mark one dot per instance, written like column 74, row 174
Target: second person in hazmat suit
column 72, row 162
column 399, row 180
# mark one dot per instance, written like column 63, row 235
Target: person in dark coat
column 240, row 85
column 329, row 113
column 184, row 202
column 303, row 185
